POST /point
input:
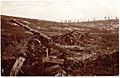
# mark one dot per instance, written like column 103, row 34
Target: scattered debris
column 73, row 53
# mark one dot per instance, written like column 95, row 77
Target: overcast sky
column 57, row 10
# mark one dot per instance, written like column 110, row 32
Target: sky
column 57, row 10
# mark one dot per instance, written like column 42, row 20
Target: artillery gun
column 40, row 45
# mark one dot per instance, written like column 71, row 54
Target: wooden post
column 47, row 52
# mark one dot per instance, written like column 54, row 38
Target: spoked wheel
column 69, row 40
column 34, row 47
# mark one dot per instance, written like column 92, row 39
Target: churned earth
column 97, row 42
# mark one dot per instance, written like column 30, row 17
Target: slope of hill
column 100, row 38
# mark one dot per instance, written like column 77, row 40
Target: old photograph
column 59, row 38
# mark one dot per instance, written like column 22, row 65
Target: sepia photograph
column 59, row 38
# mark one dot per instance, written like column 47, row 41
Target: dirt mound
column 103, row 65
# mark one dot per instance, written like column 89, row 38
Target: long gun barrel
column 35, row 32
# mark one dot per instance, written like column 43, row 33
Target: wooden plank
column 66, row 48
column 17, row 65
column 52, row 60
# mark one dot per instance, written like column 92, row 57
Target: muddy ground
column 99, row 39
